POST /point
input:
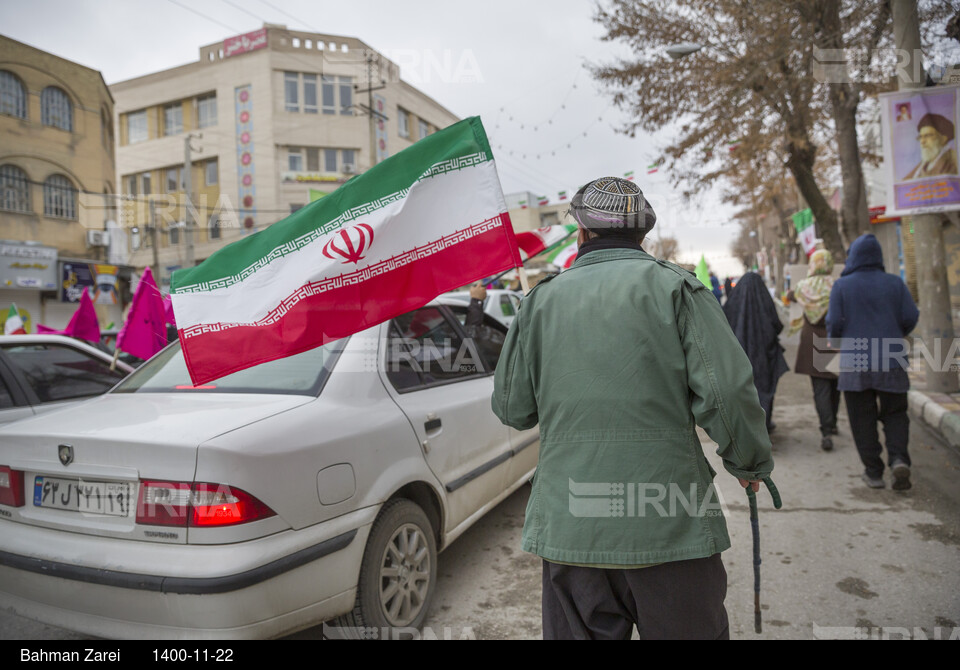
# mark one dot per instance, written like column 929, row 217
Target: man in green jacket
column 618, row 359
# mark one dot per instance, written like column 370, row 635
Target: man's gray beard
column 929, row 154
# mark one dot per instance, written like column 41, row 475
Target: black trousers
column 679, row 600
column 863, row 410
column 826, row 398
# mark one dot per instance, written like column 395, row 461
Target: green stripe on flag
column 803, row 219
column 459, row 146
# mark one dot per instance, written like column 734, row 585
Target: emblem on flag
column 350, row 243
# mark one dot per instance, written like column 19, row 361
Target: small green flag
column 316, row 195
column 703, row 272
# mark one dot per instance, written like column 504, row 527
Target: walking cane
column 755, row 527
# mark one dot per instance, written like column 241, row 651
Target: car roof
column 63, row 339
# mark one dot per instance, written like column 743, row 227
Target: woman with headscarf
column 813, row 295
column 753, row 317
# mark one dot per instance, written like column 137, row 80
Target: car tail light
column 197, row 504
column 218, row 505
column 163, row 503
column 11, row 487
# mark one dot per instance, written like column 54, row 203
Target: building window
column 424, row 129
column 59, row 197
column 329, row 92
column 295, row 207
column 13, row 100
column 213, row 227
column 330, row 160
column 211, row 173
column 313, row 159
column 403, row 122
column 131, row 183
column 106, row 130
column 290, row 91
column 207, row 111
column 14, row 189
column 173, row 119
column 310, row 93
column 346, row 96
column 349, row 158
column 174, row 231
column 145, row 187
column 173, row 175
column 295, row 159
column 137, row 126
column 55, row 109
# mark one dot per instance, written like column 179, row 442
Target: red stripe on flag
column 338, row 312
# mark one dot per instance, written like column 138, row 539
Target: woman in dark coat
column 754, row 320
column 813, row 355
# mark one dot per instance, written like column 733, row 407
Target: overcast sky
column 519, row 65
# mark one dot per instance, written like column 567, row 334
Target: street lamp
column 676, row 51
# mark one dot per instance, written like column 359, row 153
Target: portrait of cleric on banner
column 922, row 129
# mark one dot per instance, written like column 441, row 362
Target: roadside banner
column 919, row 128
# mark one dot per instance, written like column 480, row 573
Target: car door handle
column 432, row 426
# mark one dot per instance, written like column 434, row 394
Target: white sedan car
column 40, row 373
column 307, row 489
column 501, row 304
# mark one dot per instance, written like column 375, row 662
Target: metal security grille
column 12, row 98
column 59, row 197
column 55, row 109
column 14, row 189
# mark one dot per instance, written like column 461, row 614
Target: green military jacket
column 618, row 359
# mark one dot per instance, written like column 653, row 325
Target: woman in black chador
column 754, row 320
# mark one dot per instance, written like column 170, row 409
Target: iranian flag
column 14, row 324
column 806, row 231
column 533, row 242
column 564, row 255
column 422, row 222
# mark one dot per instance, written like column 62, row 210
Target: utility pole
column 188, row 202
column 368, row 108
column 153, row 241
column 936, row 320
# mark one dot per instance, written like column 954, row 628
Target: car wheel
column 398, row 575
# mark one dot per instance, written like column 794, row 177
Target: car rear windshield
column 302, row 374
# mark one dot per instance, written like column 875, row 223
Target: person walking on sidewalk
column 870, row 314
column 618, row 359
column 813, row 356
column 753, row 317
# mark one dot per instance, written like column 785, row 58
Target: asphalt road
column 839, row 560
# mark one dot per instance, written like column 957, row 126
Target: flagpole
column 113, row 363
column 524, row 280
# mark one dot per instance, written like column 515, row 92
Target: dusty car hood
column 164, row 418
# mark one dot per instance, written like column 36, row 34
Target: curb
column 938, row 418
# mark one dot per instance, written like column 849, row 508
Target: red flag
column 144, row 333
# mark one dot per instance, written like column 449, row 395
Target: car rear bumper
column 110, row 588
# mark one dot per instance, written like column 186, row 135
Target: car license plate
column 80, row 495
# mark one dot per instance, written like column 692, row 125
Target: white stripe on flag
column 433, row 208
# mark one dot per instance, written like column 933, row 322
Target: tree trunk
column 800, row 163
column 844, row 100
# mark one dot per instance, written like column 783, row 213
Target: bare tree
column 757, row 84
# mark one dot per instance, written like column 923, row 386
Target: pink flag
column 83, row 324
column 144, row 333
column 168, row 311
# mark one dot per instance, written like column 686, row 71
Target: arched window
column 59, row 197
column 55, row 108
column 14, row 189
column 13, row 100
